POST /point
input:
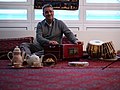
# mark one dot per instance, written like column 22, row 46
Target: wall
column 84, row 36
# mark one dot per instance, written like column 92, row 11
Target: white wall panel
column 16, row 33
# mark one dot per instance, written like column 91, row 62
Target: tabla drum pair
column 100, row 49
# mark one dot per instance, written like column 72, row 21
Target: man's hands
column 53, row 42
column 56, row 43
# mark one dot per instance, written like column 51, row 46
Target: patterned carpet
column 61, row 77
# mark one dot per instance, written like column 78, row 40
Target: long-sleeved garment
column 45, row 32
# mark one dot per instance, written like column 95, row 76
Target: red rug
column 61, row 77
column 64, row 64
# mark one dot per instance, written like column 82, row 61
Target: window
column 103, row 1
column 103, row 10
column 13, row 14
column 13, row 0
column 103, row 15
column 60, row 14
column 13, row 10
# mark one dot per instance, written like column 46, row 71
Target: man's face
column 48, row 13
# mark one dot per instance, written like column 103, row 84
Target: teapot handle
column 27, row 56
column 8, row 55
column 41, row 59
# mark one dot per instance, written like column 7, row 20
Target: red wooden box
column 65, row 51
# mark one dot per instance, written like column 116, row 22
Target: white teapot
column 31, row 60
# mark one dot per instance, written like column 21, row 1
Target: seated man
column 49, row 31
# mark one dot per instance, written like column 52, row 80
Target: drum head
column 96, row 42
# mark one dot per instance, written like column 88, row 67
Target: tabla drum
column 108, row 51
column 94, row 48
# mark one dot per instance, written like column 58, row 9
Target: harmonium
column 65, row 51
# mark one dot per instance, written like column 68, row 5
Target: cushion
column 9, row 44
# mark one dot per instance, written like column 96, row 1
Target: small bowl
column 78, row 64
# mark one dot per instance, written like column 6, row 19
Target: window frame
column 100, row 6
column 80, row 24
column 16, row 3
